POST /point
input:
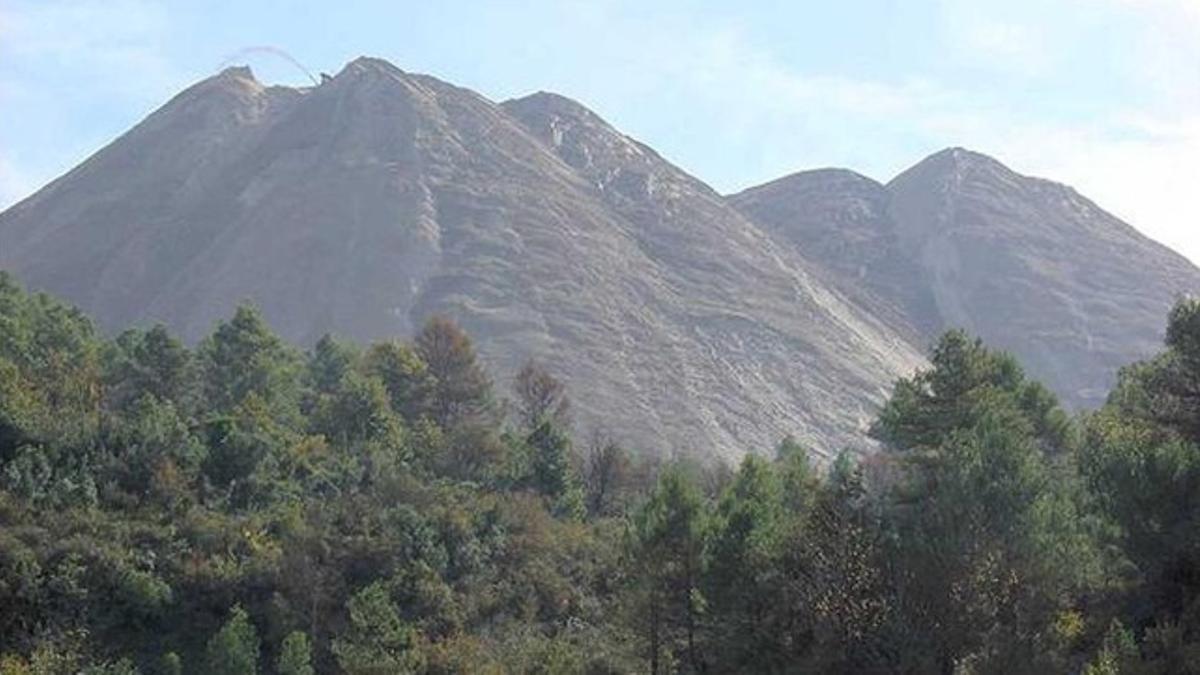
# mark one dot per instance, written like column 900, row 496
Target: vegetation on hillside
column 245, row 507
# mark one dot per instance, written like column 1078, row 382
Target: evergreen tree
column 990, row 535
column 797, row 477
column 295, row 655
column 329, row 362
column 926, row 409
column 462, row 391
column 1141, row 459
column 669, row 534
column 151, row 363
column 378, row 640
column 405, row 376
column 553, row 476
column 244, row 358
column 234, row 648
column 740, row 580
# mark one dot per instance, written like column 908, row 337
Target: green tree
column 169, row 664
column 244, row 358
column 358, row 411
column 329, row 362
column 147, row 436
column 553, row 476
column 740, row 579
column 406, row 377
column 295, row 655
column 797, row 478
column 233, row 650
column 989, row 533
column 1141, row 459
column 151, row 363
column 378, row 640
column 926, row 409
column 669, row 533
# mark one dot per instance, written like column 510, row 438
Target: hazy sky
column 1101, row 94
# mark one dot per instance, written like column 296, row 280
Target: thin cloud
column 62, row 56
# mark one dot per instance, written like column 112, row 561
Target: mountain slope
column 379, row 198
column 959, row 240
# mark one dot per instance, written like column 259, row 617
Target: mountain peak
column 371, row 65
column 803, row 182
column 550, row 104
column 954, row 164
column 242, row 72
column 234, row 79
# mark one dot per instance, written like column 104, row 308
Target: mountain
column 379, row 198
column 960, row 240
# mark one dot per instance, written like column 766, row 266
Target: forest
column 244, row 506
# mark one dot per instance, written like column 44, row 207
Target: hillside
column 379, row 198
column 961, row 241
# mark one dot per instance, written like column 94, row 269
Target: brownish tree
column 462, row 391
column 541, row 397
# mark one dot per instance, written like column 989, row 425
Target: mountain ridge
column 706, row 323
column 959, row 240
column 378, row 198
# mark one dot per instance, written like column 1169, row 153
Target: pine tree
column 462, row 391
column 378, row 640
column 669, row 534
column 329, row 362
column 552, row 473
column 746, row 532
column 406, row 377
column 244, row 358
column 234, row 648
column 295, row 655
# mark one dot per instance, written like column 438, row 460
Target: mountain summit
column 961, row 241
column 379, row 198
column 682, row 320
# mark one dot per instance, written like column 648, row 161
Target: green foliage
column 378, row 640
column 295, row 655
column 409, row 384
column 981, row 510
column 150, row 364
column 552, row 473
column 965, row 381
column 1141, row 460
column 169, row 664
column 244, row 360
column 329, row 362
column 369, row 512
column 797, row 477
column 234, row 648
column 740, row 580
column 668, row 538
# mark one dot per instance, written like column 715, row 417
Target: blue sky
column 1101, row 94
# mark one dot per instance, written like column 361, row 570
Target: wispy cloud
column 994, row 41
column 1139, row 158
column 60, row 58
column 729, row 104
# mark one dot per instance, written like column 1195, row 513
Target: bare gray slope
column 380, row 197
column 959, row 240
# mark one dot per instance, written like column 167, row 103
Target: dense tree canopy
column 246, row 507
